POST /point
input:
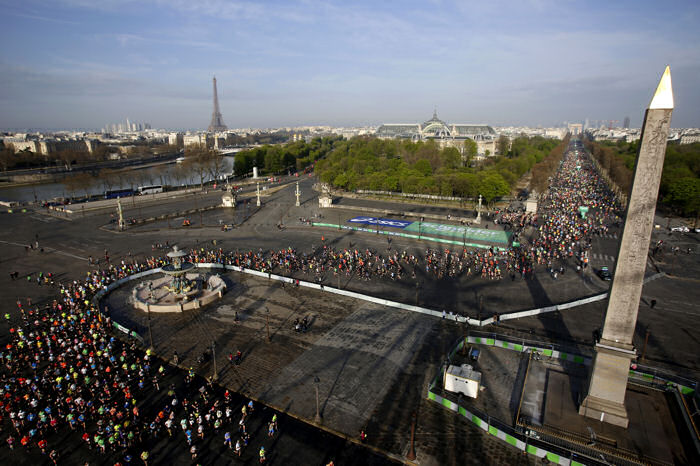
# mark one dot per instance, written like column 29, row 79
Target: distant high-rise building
column 217, row 122
column 586, row 125
column 626, row 123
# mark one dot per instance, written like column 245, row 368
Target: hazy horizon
column 85, row 64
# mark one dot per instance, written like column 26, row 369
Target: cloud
column 41, row 18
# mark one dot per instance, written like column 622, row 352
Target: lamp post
column 481, row 305
column 317, row 418
column 465, row 325
column 646, row 341
column 412, row 449
column 213, row 353
column 478, row 211
column 268, row 323
column 148, row 311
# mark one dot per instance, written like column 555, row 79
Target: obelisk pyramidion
column 606, row 393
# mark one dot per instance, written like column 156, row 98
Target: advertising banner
column 383, row 222
column 458, row 231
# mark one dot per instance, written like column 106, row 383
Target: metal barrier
column 557, row 446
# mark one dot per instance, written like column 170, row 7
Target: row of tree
column 543, row 171
column 680, row 179
column 279, row 159
column 68, row 158
column 425, row 168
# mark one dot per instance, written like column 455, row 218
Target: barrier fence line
column 406, row 235
column 519, row 347
column 384, row 302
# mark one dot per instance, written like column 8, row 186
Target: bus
column 150, row 189
column 119, row 193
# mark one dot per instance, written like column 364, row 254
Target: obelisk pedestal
column 606, row 394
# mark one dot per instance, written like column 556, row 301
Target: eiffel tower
column 217, row 122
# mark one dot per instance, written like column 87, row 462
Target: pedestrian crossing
column 45, row 218
column 602, row 257
column 609, row 236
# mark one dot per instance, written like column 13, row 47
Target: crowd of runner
column 561, row 236
column 62, row 369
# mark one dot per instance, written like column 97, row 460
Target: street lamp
column 481, row 305
column 213, row 353
column 465, row 325
column 412, row 449
column 268, row 323
column 317, row 418
column 148, row 311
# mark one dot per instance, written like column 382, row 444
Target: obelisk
column 606, row 393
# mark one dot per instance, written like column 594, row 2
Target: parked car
column 604, row 274
column 681, row 229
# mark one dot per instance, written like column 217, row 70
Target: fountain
column 182, row 288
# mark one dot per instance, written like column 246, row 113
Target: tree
column 215, row 166
column 502, row 144
column 423, row 167
column 79, row 182
column 684, row 193
column 198, row 159
column 492, row 186
column 7, row 158
column 470, row 151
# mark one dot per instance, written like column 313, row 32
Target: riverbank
column 46, row 175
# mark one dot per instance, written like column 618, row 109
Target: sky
column 68, row 64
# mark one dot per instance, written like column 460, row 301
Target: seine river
column 168, row 174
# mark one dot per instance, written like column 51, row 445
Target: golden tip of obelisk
column 663, row 97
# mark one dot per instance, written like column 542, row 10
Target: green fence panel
column 493, row 431
column 457, row 231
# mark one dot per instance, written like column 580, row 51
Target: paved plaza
column 373, row 363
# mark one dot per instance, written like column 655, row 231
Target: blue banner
column 383, row 222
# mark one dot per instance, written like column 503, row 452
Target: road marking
column 45, row 219
column 47, row 250
column 66, row 254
